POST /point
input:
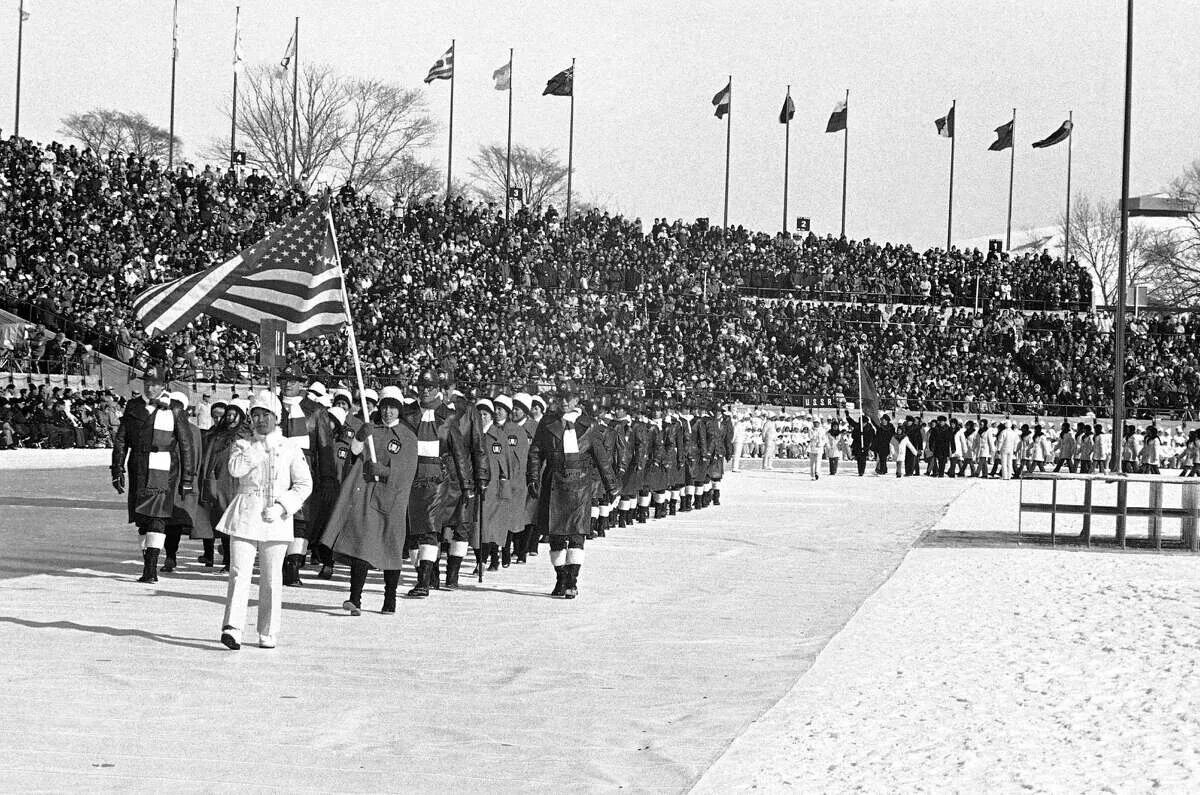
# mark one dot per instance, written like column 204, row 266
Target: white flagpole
column 350, row 325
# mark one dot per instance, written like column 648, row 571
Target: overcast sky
column 646, row 141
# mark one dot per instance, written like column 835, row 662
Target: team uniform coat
column 268, row 469
column 216, row 486
column 530, row 427
column 188, row 513
column 437, row 488
column 369, row 519
column 498, row 495
column 326, row 472
column 720, row 441
column 518, row 440
column 565, row 507
column 159, row 460
column 639, row 459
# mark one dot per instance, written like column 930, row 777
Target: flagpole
column 1122, row 258
column 295, row 101
column 571, row 145
column 1012, row 166
column 728, row 139
column 450, row 149
column 1067, row 231
column 787, row 143
column 174, row 58
column 20, row 39
column 353, row 341
column 845, row 159
column 508, row 153
column 950, row 201
column 861, row 409
column 237, row 15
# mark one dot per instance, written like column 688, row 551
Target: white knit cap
column 524, row 400
column 180, row 397
column 485, row 405
column 393, row 393
column 264, row 399
column 503, row 400
column 343, row 393
column 538, row 399
column 241, row 404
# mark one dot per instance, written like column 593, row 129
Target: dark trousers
column 939, row 466
column 881, row 464
column 862, row 464
column 912, row 464
column 1068, row 463
column 573, row 541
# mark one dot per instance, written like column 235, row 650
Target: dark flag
column 945, row 125
column 1056, row 137
column 788, row 111
column 868, row 394
column 1004, row 138
column 837, row 119
column 562, row 84
column 722, row 100
column 443, row 68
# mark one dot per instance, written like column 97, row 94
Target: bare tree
column 105, row 130
column 410, row 178
column 1176, row 253
column 539, row 173
column 1096, row 244
column 382, row 123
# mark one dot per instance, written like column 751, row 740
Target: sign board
column 995, row 246
column 239, row 158
column 272, row 342
column 1135, row 295
column 516, row 193
column 803, row 224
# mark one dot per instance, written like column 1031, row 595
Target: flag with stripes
column 562, row 84
column 723, row 100
column 945, row 125
column 292, row 275
column 443, row 68
column 288, row 53
column 837, row 119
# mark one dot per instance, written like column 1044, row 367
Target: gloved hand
column 535, row 488
column 373, row 471
column 118, row 480
column 273, row 513
column 242, row 445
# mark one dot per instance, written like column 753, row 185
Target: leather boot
column 149, row 565
column 506, row 554
column 168, row 565
column 685, row 503
column 424, row 578
column 716, row 496
column 435, row 574
column 519, row 542
column 453, row 564
column 601, row 529
column 291, row 570
column 643, row 514
column 621, row 522
column 391, row 580
column 206, row 557
column 560, row 583
column 571, row 586
column 494, row 557
column 672, row 507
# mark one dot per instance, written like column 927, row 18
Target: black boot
column 149, row 565
column 643, row 514
column 424, row 578
column 716, row 496
column 560, row 583
column 168, row 564
column 601, row 529
column 391, row 581
column 506, row 553
column 494, row 558
column 571, row 586
column 685, row 503
column 672, row 507
column 224, row 553
column 435, row 574
column 291, row 570
column 520, row 540
column 621, row 514
column 207, row 557
column 453, row 564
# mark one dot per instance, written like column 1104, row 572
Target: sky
column 646, row 141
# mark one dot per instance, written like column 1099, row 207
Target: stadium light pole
column 20, row 39
column 1122, row 257
column 174, row 58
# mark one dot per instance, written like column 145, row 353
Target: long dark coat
column 565, row 506
column 656, row 465
column 720, row 443
column 862, row 436
column 216, row 486
column 498, row 494
column 672, row 453
column 518, row 440
column 530, row 425
column 188, row 514
column 435, row 499
column 150, row 493
column 461, row 510
column 368, row 520
column 639, row 456
column 326, row 470
column 692, row 465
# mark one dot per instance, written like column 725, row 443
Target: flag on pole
column 238, row 56
column 788, row 111
column 945, row 125
column 291, row 275
column 443, row 68
column 1056, row 137
column 722, row 100
column 24, row 14
column 503, row 77
column 175, row 32
column 562, row 84
column 1004, row 138
column 868, row 394
column 289, row 53
column 837, row 119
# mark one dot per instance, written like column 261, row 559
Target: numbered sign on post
column 272, row 342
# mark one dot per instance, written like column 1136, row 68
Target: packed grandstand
column 611, row 301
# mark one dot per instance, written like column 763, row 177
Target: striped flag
column 945, row 125
column 837, row 119
column 443, row 68
column 503, row 77
column 289, row 53
column 562, row 84
column 292, row 275
column 723, row 100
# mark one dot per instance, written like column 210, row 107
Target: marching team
column 417, row 478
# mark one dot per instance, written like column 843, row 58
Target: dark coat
column 862, row 436
column 564, row 508
column 151, row 495
column 369, row 518
column 693, row 468
column 530, row 426
column 216, row 486
column 497, row 495
column 326, row 470
column 518, row 440
column 656, row 466
column 639, row 455
column 435, row 498
column 188, row 514
column 881, row 444
column 720, row 440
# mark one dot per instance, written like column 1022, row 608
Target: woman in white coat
column 273, row 481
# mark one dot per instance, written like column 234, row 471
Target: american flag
column 443, row 68
column 293, row 275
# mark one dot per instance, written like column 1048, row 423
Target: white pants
column 737, row 455
column 1006, row 466
column 769, row 455
column 270, row 584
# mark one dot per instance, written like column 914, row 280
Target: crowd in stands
column 676, row 307
column 54, row 417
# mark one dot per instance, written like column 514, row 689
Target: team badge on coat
column 342, row 452
column 394, row 446
column 495, row 448
column 512, row 441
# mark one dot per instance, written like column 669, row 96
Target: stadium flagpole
column 845, row 159
column 1012, row 166
column 570, row 146
column 174, row 58
column 728, row 139
column 508, row 153
column 20, row 39
column 1067, row 218
column 237, row 65
column 1122, row 257
column 352, row 339
column 787, row 143
column 295, row 101
column 450, row 145
column 860, row 392
column 950, row 201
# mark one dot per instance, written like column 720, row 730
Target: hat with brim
column 539, row 400
column 483, row 404
column 391, row 394
column 523, row 401
column 267, row 401
column 371, row 395
column 503, row 400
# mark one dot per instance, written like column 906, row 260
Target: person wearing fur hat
column 217, row 486
column 367, row 526
column 273, row 481
column 187, row 516
column 569, row 445
column 154, row 443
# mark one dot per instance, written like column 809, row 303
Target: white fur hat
column 393, row 393
column 505, row 401
column 264, row 399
